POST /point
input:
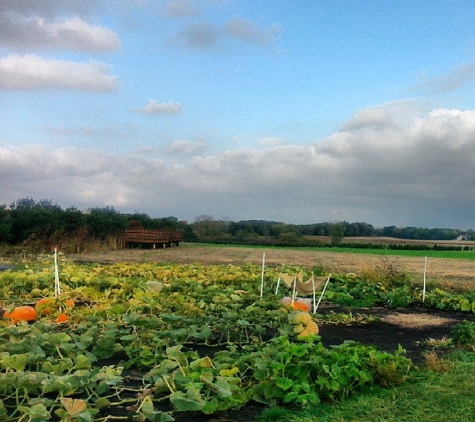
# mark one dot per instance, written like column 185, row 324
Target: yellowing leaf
column 73, row 406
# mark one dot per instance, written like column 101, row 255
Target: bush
column 464, row 334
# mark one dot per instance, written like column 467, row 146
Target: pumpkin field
column 151, row 341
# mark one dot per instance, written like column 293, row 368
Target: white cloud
column 73, row 176
column 186, row 148
column 450, row 81
column 201, row 36
column 46, row 7
column 419, row 172
column 154, row 107
column 180, row 9
column 246, row 30
column 112, row 131
column 177, row 9
column 34, row 72
column 208, row 36
column 24, row 33
column 393, row 114
column 270, row 141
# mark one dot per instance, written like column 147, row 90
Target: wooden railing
column 157, row 238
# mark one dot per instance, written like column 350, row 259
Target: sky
column 300, row 111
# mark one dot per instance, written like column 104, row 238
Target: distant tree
column 337, row 232
column 166, row 222
column 105, row 221
column 390, row 231
column 29, row 217
column 206, row 227
column 23, row 204
column 5, row 225
column 72, row 219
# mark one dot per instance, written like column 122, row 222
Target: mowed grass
column 430, row 396
column 464, row 254
column 469, row 255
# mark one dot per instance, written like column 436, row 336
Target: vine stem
column 168, row 385
column 59, row 352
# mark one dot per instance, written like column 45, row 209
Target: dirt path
column 451, row 272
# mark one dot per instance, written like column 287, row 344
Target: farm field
column 453, row 273
column 149, row 338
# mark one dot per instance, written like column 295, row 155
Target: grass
column 411, row 253
column 469, row 254
column 430, row 396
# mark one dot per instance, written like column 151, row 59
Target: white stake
column 424, row 284
column 262, row 275
column 57, row 287
column 323, row 292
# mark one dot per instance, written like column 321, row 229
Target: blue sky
column 301, row 112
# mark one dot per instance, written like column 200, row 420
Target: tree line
column 44, row 222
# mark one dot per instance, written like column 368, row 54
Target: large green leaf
column 189, row 401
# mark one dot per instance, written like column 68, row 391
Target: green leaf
column 16, row 362
column 200, row 333
column 57, row 339
column 211, row 406
column 36, row 413
column 165, row 367
column 189, row 401
column 175, row 352
column 57, row 367
column 284, row 383
column 82, row 362
column 465, row 305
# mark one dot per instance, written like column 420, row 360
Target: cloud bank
column 372, row 170
column 35, row 72
column 27, row 27
column 35, row 33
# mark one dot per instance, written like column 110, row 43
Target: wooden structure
column 154, row 238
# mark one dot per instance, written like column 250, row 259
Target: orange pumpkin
column 43, row 306
column 301, row 306
column 21, row 313
column 70, row 303
column 62, row 318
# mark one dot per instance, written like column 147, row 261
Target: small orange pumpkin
column 21, row 313
column 61, row 318
column 70, row 303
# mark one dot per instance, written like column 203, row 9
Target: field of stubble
column 453, row 273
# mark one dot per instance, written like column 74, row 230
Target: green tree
column 337, row 232
column 105, row 221
column 5, row 225
column 29, row 217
